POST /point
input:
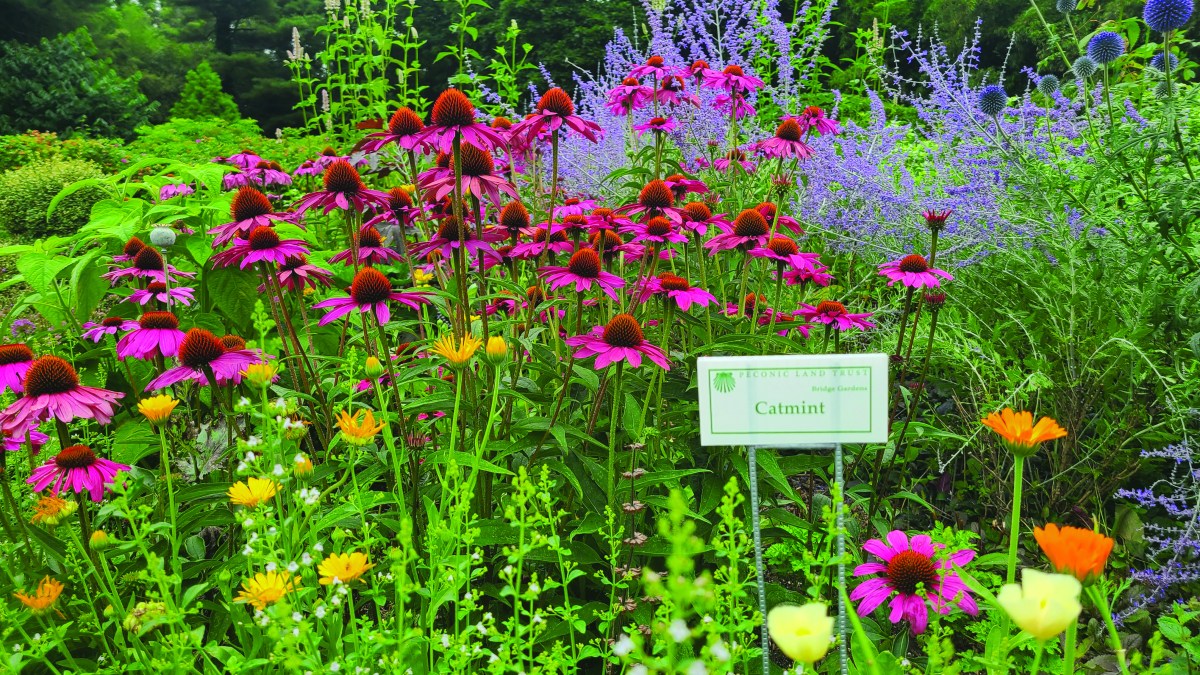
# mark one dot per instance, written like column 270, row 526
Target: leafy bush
column 26, row 193
column 59, row 85
column 198, row 141
column 202, row 97
column 18, row 150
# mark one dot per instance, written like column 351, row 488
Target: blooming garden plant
column 426, row 402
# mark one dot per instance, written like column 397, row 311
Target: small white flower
column 334, row 667
column 250, row 456
column 271, row 567
column 247, row 550
column 281, row 403
column 253, row 442
column 319, row 611
column 296, row 632
column 467, row 596
column 306, row 559
column 297, row 617
column 248, row 523
column 445, row 641
column 475, row 556
column 707, row 619
column 623, row 646
column 292, row 567
column 278, row 470
column 336, row 601
column 679, row 630
column 719, row 651
column 534, row 588
column 318, row 547
column 697, row 668
column 481, row 628
column 299, row 458
column 243, row 402
column 537, row 618
column 639, row 669
column 37, row 637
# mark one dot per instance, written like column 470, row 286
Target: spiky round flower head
column 76, row 468
column 399, row 199
column 453, row 109
column 556, row 101
column 1065, row 6
column 1160, row 59
column 132, row 247
column 1165, row 91
column 993, row 100
column 935, row 301
column 1105, row 47
column 621, row 339
column 341, row 176
column 788, row 130
column 15, row 360
column 656, row 195
column 751, row 223
column 1048, row 85
column 501, row 123
column 697, row 212
column 514, row 216
column 1084, row 67
column 475, row 161
column 148, row 259
column 405, row 122
column 52, row 389
column 1167, row 15
column 249, row 203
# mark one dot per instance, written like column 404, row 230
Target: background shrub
column 18, row 150
column 202, row 97
column 25, row 195
column 197, row 141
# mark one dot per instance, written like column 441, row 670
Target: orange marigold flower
column 1074, row 550
column 43, row 599
column 1019, row 432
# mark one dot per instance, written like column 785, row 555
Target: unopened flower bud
column 496, row 351
column 374, row 368
column 100, row 540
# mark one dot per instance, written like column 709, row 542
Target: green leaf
column 232, row 293
column 40, row 269
column 87, row 286
column 200, row 248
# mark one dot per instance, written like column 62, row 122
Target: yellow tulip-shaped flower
column 803, row 633
column 343, row 567
column 252, row 492
column 1044, row 604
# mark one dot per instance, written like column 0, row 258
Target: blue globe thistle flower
column 993, row 100
column 1166, row 15
column 1084, row 67
column 1156, row 63
column 1048, row 85
column 1161, row 91
column 1065, row 6
column 1105, row 47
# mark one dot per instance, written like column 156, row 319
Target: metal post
column 838, row 479
column 758, row 559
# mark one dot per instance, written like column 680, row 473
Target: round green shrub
column 26, row 193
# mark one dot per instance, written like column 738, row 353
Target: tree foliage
column 202, row 96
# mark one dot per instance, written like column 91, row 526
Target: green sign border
column 870, row 397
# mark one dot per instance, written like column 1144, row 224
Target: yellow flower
column 259, row 375
column 421, row 277
column 496, row 351
column 356, row 432
column 373, row 368
column 343, row 567
column 43, row 599
column 1044, row 604
column 457, row 354
column 51, row 510
column 157, row 409
column 265, row 588
column 99, row 540
column 803, row 633
column 252, row 492
column 1019, row 432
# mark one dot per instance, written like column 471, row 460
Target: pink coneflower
column 243, row 160
column 734, row 156
column 700, row 70
column 573, row 225
column 454, row 115
column 749, row 230
column 697, row 217
column 783, row 250
column 819, row 275
column 541, row 241
column 813, row 118
column 18, row 437
column 610, row 244
column 296, row 273
column 655, row 67
column 784, row 322
column 574, row 206
column 514, row 217
column 446, row 241
column 15, row 360
column 158, row 292
column 52, row 389
column 261, row 245
column 770, row 212
column 656, row 230
column 603, row 218
column 129, row 250
column 371, row 250
column 157, row 334
column 911, row 577
column 655, row 199
column 681, row 185
column 369, row 293
column 200, row 353
column 308, row 168
column 735, row 105
column 677, row 289
column 478, row 177
column 628, row 96
column 554, row 109
column 673, row 91
column 76, row 468
column 581, row 273
column 108, row 326
column 659, row 125
column 913, row 271
column 936, row 220
column 832, row 313
column 250, row 209
column 344, row 190
column 786, row 142
column 270, row 174
column 173, row 190
column 620, row 340
column 733, row 80
column 147, row 264
column 404, row 129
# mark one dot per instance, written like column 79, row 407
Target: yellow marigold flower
column 52, row 510
column 1074, row 550
column 265, row 588
column 496, row 350
column 1043, row 605
column 43, row 599
column 252, row 492
column 1019, row 432
column 421, row 277
column 343, row 567
column 803, row 633
column 359, row 428
column 259, row 375
column 457, row 354
column 157, row 409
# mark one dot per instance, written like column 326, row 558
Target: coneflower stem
column 912, row 410
column 615, row 414
column 1014, row 527
column 904, row 321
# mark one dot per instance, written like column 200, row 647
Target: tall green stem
column 1014, row 528
column 611, row 478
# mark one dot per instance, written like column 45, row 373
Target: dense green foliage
column 202, row 97
column 26, row 193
